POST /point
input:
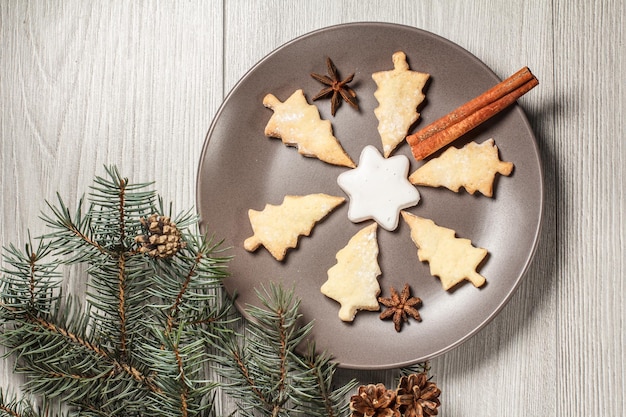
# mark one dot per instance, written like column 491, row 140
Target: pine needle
column 151, row 332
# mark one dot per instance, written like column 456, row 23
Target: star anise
column 417, row 396
column 374, row 401
column 400, row 307
column 338, row 88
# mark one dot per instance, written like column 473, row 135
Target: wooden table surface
column 136, row 84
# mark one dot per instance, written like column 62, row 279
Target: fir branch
column 180, row 364
column 109, row 227
column 175, row 308
column 184, row 392
column 66, row 352
column 265, row 371
column 14, row 407
column 242, row 385
column 319, row 397
column 202, row 271
column 30, row 285
column 276, row 334
column 121, row 277
column 71, row 233
column 52, row 328
column 121, row 183
column 152, row 326
column 93, row 357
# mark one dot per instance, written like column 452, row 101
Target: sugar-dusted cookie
column 473, row 167
column 399, row 93
column 352, row 281
column 450, row 258
column 279, row 227
column 298, row 123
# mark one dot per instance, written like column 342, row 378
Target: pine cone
column 374, row 401
column 163, row 239
column 417, row 397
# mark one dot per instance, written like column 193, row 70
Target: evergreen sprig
column 136, row 346
column 14, row 407
column 150, row 331
column 267, row 373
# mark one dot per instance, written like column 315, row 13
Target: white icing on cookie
column 378, row 188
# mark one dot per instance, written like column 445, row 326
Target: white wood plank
column 590, row 53
column 86, row 85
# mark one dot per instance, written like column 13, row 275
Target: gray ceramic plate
column 240, row 169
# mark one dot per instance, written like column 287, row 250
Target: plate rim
column 536, row 237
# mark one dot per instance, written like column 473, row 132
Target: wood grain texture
column 86, row 85
column 591, row 233
column 133, row 84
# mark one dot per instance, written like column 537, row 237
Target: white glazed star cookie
column 378, row 188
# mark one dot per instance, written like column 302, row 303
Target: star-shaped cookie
column 378, row 188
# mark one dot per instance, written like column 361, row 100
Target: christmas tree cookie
column 352, row 281
column 451, row 259
column 399, row 93
column 473, row 167
column 279, row 227
column 298, row 123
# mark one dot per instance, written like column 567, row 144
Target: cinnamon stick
column 471, row 114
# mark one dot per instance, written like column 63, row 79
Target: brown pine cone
column 417, row 397
column 162, row 238
column 374, row 401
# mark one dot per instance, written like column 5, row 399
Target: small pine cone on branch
column 162, row 238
